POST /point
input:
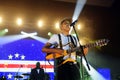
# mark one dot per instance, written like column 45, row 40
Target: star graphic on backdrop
column 22, row 57
column 10, row 56
column 9, row 76
column 17, row 55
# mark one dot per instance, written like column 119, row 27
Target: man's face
column 37, row 64
column 65, row 26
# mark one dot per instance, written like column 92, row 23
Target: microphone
column 72, row 24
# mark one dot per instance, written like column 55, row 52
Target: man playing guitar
column 66, row 67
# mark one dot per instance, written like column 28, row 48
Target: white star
column 10, row 56
column 9, row 76
column 22, row 57
column 17, row 55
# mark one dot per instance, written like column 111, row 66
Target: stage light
column 57, row 25
column 6, row 30
column 3, row 32
column 49, row 34
column 0, row 20
column 19, row 21
column 79, row 26
column 40, row 23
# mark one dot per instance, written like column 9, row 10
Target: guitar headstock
column 102, row 42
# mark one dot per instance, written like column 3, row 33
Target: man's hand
column 85, row 50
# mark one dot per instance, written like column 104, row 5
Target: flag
column 19, row 57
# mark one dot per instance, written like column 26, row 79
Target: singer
column 66, row 64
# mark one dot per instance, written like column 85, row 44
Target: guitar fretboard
column 99, row 43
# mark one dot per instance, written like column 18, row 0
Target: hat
column 66, row 19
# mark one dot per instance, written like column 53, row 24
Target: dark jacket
column 37, row 76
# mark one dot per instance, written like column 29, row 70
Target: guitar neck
column 100, row 43
column 90, row 45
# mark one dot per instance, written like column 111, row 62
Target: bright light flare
column 29, row 34
column 33, row 35
column 1, row 20
column 3, row 32
column 6, row 30
column 94, row 74
column 19, row 21
column 79, row 26
column 57, row 25
column 11, row 38
column 78, row 8
column 43, row 40
column 40, row 23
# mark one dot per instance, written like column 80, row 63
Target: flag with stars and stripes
column 17, row 58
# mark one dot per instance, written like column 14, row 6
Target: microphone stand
column 18, row 72
column 81, row 50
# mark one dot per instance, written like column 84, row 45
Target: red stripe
column 1, row 65
column 23, row 66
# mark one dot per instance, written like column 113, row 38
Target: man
column 66, row 67
column 37, row 73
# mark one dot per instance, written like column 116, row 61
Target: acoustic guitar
column 100, row 43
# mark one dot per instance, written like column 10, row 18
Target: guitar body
column 53, row 56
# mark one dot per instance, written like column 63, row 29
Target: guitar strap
column 59, row 60
column 60, row 41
